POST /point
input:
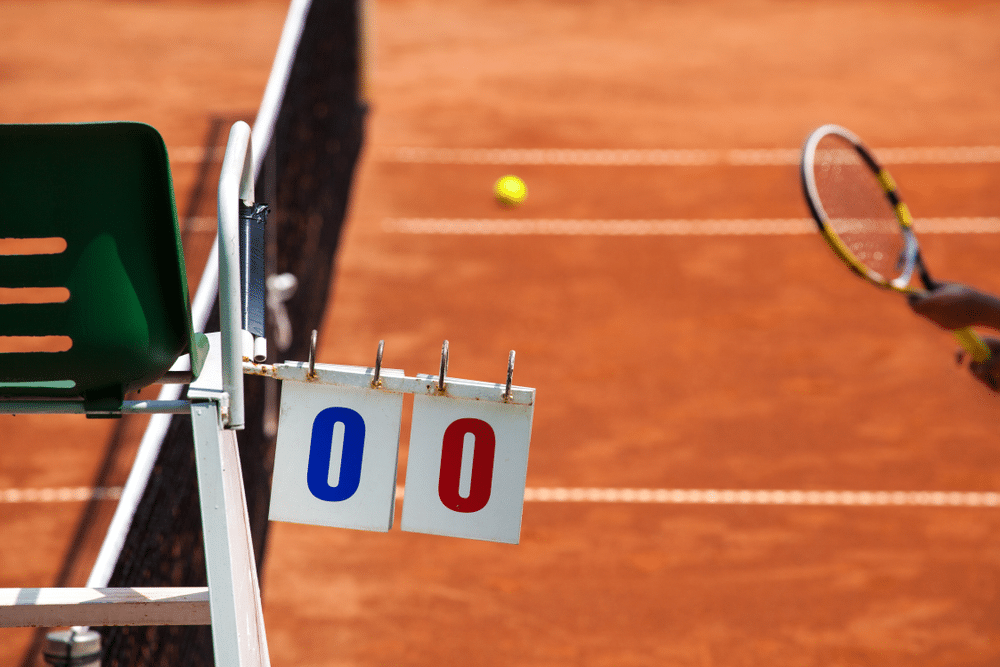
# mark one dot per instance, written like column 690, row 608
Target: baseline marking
column 759, row 497
column 767, row 497
column 641, row 496
column 71, row 494
column 744, row 227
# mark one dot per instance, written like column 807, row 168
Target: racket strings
column 857, row 208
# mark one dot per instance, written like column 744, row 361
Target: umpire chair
column 95, row 306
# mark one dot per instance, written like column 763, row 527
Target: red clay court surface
column 696, row 362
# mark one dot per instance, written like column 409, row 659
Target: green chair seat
column 105, row 188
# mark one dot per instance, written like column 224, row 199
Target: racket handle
column 973, row 344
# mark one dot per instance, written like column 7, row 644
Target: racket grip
column 973, row 344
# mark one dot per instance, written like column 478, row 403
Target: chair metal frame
column 231, row 601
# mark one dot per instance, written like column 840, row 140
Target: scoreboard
column 338, row 449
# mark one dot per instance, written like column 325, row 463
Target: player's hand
column 987, row 372
column 955, row 306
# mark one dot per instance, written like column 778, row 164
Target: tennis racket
column 860, row 214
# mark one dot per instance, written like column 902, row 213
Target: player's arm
column 955, row 306
column 988, row 372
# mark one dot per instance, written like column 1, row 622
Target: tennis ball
column 510, row 190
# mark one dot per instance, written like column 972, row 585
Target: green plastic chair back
column 105, row 189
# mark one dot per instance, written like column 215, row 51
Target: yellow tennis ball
column 510, row 190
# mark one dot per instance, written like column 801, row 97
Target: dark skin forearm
column 954, row 306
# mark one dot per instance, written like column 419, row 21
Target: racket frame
column 912, row 261
column 911, row 249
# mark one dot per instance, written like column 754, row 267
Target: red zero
column 482, row 465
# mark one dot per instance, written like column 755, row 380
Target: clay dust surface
column 666, row 362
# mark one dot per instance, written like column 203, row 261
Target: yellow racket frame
column 966, row 337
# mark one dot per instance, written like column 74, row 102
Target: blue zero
column 318, row 470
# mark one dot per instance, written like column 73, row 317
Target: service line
column 672, row 157
column 563, row 227
column 736, row 227
column 663, row 157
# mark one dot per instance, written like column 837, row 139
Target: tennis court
column 741, row 454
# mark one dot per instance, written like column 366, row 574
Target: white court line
column 762, row 497
column 668, row 157
column 744, row 227
column 201, row 223
column 759, row 497
column 189, row 154
column 70, row 494
column 641, row 496
column 695, row 157
column 556, row 227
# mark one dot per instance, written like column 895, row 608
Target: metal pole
column 235, row 185
column 77, row 647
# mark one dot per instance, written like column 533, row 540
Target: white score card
column 336, row 453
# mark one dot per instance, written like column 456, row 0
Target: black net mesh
column 164, row 548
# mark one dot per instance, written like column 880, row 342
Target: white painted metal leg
column 234, row 593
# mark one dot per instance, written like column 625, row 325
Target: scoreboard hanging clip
column 376, row 378
column 510, row 377
column 312, row 356
column 444, row 367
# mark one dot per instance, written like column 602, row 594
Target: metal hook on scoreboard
column 510, row 377
column 444, row 366
column 312, row 356
column 376, row 381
